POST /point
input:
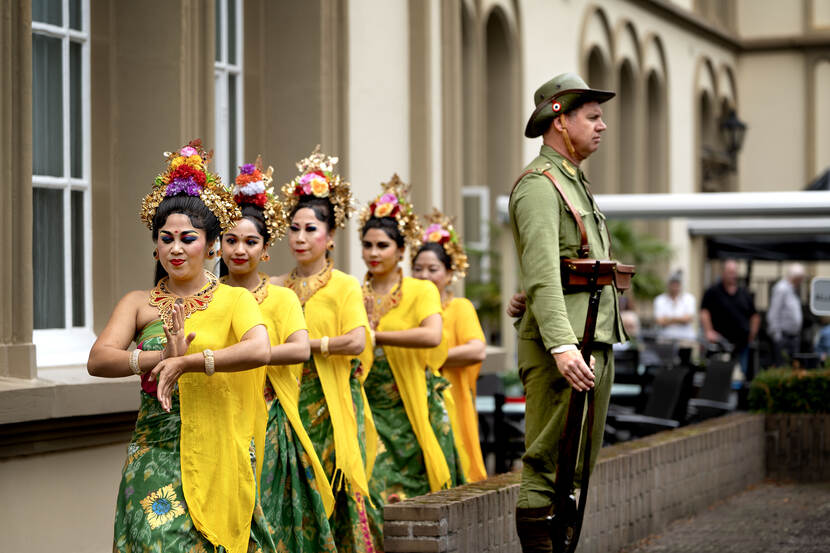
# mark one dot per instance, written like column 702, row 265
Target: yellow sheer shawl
column 461, row 325
column 336, row 309
column 220, row 416
column 284, row 316
column 419, row 300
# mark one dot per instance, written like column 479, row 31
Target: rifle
column 566, row 520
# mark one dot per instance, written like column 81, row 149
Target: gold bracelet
column 324, row 346
column 373, row 338
column 210, row 365
column 134, row 361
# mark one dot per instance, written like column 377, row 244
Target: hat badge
column 556, row 107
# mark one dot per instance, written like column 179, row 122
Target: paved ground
column 771, row 517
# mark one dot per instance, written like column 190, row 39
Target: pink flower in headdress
column 436, row 233
column 188, row 151
column 386, row 206
column 315, row 183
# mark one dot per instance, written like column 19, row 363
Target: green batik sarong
column 289, row 490
column 400, row 471
column 151, row 515
column 350, row 523
column 440, row 421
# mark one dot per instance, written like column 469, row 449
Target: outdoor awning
column 717, row 205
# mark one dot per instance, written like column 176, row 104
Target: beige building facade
column 438, row 91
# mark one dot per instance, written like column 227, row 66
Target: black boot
column 533, row 528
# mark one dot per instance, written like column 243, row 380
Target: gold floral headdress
column 187, row 173
column 253, row 187
column 440, row 230
column 318, row 180
column 394, row 202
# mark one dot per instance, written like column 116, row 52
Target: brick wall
column 798, row 447
column 637, row 488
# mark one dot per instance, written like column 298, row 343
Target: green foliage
column 646, row 252
column 791, row 391
column 486, row 296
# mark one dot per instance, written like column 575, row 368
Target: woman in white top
column 675, row 312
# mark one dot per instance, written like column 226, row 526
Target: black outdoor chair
column 713, row 398
column 665, row 400
column 499, row 433
column 626, row 365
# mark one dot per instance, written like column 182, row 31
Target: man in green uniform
column 568, row 116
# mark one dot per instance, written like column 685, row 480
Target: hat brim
column 540, row 119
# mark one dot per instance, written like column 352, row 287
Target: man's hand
column 574, row 369
column 713, row 336
column 517, row 305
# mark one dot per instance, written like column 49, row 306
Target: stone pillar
column 17, row 353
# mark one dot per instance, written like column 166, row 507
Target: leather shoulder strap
column 518, row 180
column 584, row 247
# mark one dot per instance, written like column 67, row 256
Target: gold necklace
column 260, row 292
column 305, row 287
column 162, row 298
column 378, row 306
column 446, row 302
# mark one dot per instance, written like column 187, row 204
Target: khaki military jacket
column 544, row 231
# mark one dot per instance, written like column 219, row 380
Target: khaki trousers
column 547, row 394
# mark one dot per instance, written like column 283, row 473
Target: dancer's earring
column 156, row 254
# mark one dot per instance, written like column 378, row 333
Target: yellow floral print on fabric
column 161, row 506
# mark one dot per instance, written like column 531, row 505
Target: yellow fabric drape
column 284, row 316
column 334, row 310
column 220, row 416
column 461, row 325
column 419, row 300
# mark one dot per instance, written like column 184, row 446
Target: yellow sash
column 220, row 417
column 419, row 299
column 461, row 325
column 284, row 317
column 336, row 309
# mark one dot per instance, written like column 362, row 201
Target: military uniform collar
column 555, row 158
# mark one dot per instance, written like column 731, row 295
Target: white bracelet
column 134, row 361
column 324, row 346
column 210, row 366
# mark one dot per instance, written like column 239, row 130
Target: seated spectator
column 675, row 311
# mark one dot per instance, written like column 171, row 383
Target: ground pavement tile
column 769, row 517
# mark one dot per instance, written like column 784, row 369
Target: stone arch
column 654, row 57
column 596, row 33
column 627, row 44
column 726, row 86
column 709, row 148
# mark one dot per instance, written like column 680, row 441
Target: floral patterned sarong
column 289, row 489
column 350, row 521
column 151, row 514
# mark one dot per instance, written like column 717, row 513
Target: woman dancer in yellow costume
column 295, row 492
column 191, row 449
column 441, row 260
column 415, row 454
column 332, row 401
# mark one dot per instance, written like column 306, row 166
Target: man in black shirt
column 728, row 312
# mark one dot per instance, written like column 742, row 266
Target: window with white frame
column 227, row 78
column 60, row 177
column 476, row 209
